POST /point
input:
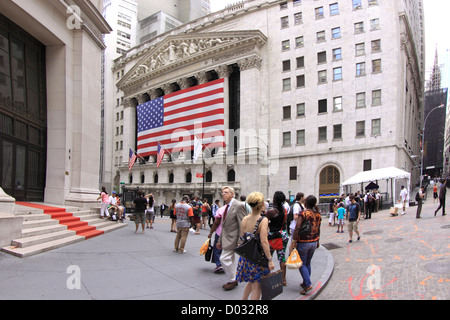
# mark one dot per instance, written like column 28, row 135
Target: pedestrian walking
column 216, row 228
column 140, row 205
column 403, row 198
column 173, row 216
column 340, row 217
column 248, row 271
column 354, row 214
column 307, row 244
column 277, row 229
column 150, row 212
column 419, row 199
column 295, row 210
column 185, row 218
column 442, row 194
column 234, row 213
column 206, row 211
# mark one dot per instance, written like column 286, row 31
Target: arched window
column 131, row 178
column 208, row 177
column 142, row 178
column 231, row 176
column 155, row 178
column 330, row 179
column 188, row 177
column 171, row 177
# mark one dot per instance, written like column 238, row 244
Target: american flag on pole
column 174, row 119
column 131, row 160
column 160, row 155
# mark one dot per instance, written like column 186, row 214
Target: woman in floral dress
column 247, row 271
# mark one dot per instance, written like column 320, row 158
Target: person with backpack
column 419, row 197
column 294, row 210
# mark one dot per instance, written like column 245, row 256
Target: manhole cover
column 440, row 267
column 373, row 232
column 331, row 246
column 447, row 226
column 392, row 240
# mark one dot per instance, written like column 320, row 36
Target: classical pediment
column 179, row 50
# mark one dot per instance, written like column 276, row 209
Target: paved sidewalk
column 397, row 258
column 124, row 265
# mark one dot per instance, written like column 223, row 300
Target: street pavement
column 122, row 265
column 397, row 258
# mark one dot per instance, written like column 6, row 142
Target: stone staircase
column 50, row 228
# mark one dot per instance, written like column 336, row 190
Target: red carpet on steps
column 66, row 218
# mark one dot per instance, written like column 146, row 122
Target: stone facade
column 324, row 87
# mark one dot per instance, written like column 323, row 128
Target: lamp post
column 423, row 140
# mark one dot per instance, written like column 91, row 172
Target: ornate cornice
column 177, row 52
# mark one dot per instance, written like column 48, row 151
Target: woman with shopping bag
column 307, row 241
column 248, row 271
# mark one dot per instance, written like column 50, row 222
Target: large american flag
column 174, row 119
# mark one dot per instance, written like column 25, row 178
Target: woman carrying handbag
column 307, row 243
column 248, row 271
column 278, row 237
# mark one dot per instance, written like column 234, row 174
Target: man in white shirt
column 403, row 198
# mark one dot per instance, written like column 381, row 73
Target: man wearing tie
column 231, row 227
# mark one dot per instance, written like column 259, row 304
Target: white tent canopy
column 390, row 173
column 378, row 174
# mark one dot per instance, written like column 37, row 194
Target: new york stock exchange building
column 282, row 95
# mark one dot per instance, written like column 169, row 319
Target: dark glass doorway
column 23, row 113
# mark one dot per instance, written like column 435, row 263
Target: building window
column 376, row 45
column 357, row 4
column 286, row 112
column 337, row 104
column 334, row 9
column 285, row 45
column 360, row 129
column 283, row 5
column 319, row 13
column 286, row 139
column 361, row 100
column 299, row 42
column 188, row 177
column 155, row 178
column 337, row 73
column 374, row 24
column 322, row 134
column 171, row 177
column 337, row 54
column 376, row 66
column 322, row 105
column 376, row 127
column 286, row 65
column 297, row 2
column 284, row 22
column 208, row 177
column 301, row 81
column 373, row 2
column 367, row 165
column 298, row 18
column 359, row 27
column 300, row 62
column 287, row 84
column 293, row 173
column 320, row 36
column 301, row 137
column 231, row 176
column 300, row 110
column 360, row 69
column 376, row 97
column 322, row 75
column 360, row 49
column 337, row 132
column 322, row 57
column 336, row 33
